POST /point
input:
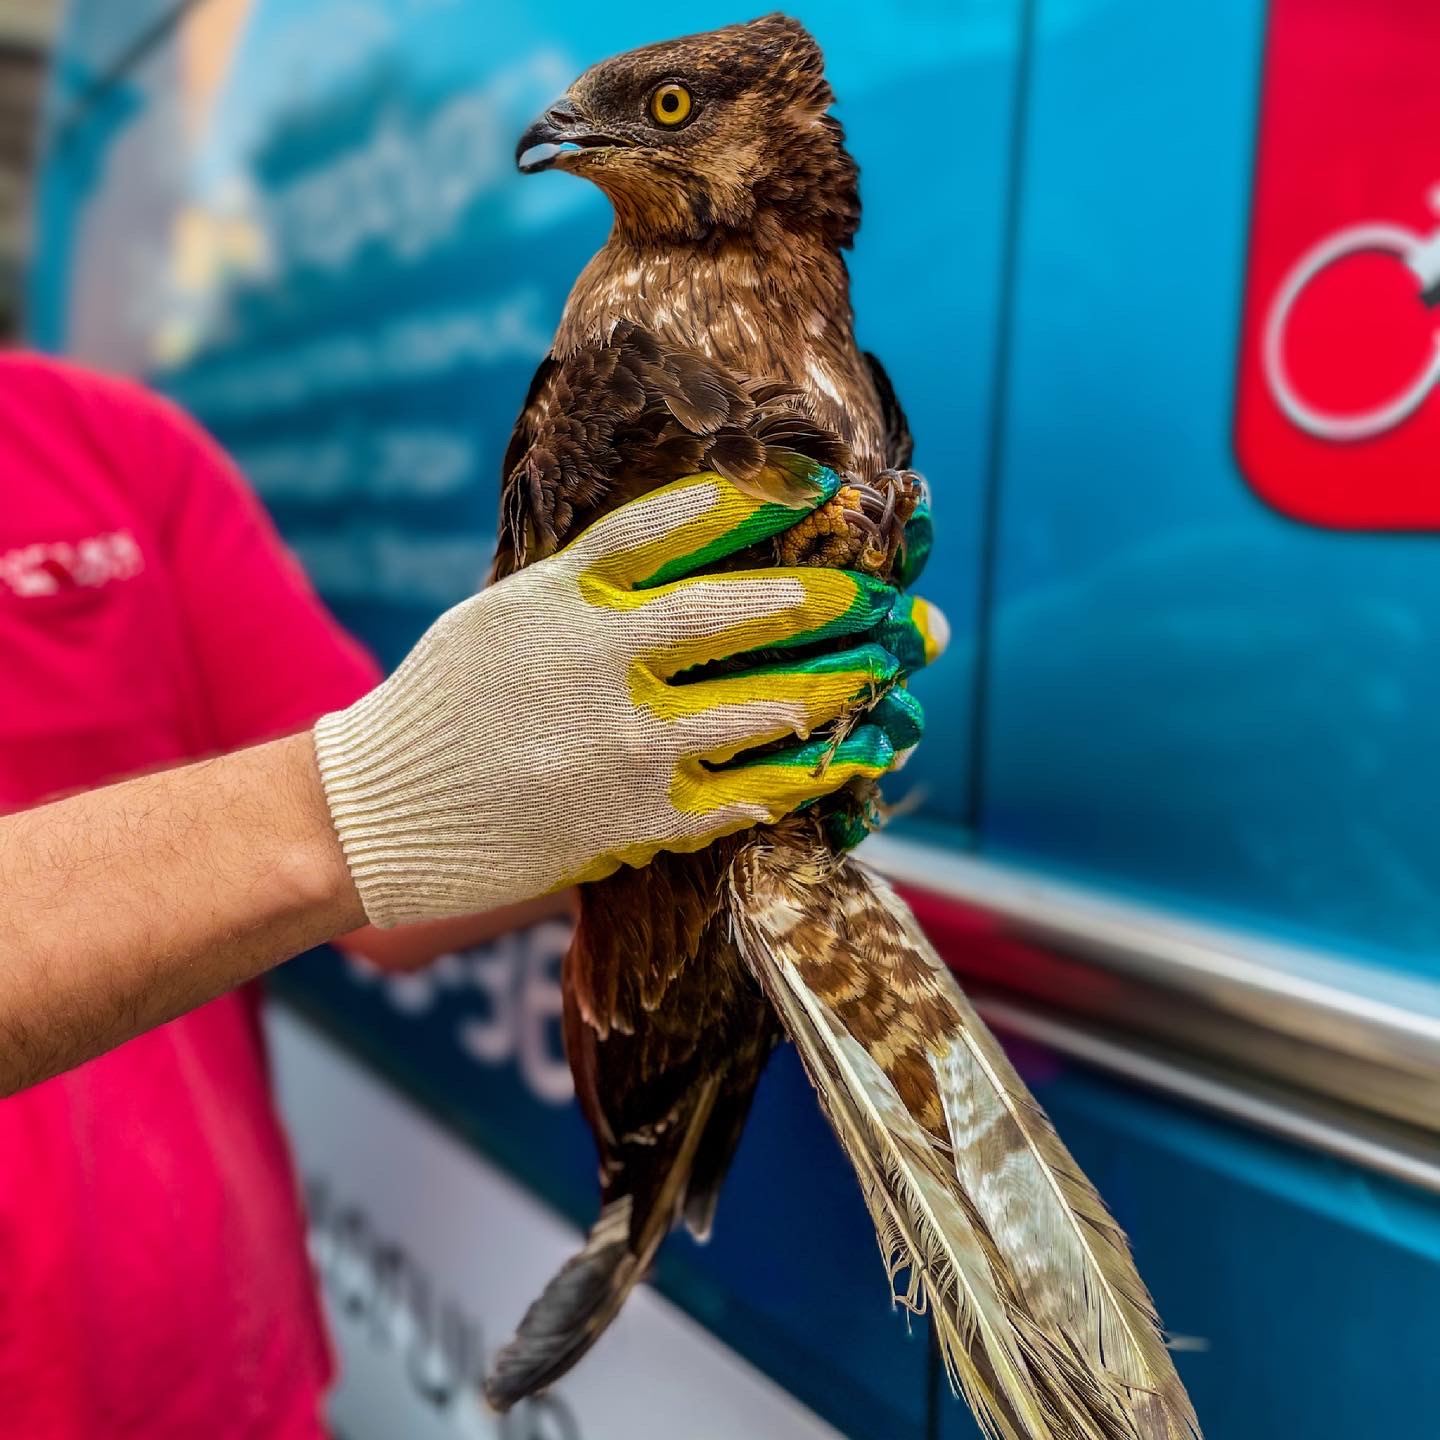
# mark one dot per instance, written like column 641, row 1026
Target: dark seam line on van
column 974, row 806
column 115, row 71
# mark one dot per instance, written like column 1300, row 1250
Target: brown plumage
column 714, row 330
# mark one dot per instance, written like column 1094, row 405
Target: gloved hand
column 543, row 732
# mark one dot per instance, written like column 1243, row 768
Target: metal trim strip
column 1326, row 1029
column 1360, row 1141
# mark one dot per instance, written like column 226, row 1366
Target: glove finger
column 784, row 781
column 721, row 717
column 916, row 542
column 914, row 631
column 715, row 617
column 900, row 715
column 685, row 526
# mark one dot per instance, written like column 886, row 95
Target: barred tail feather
column 572, row 1312
column 983, row 1218
column 588, row 1291
column 926, row 1231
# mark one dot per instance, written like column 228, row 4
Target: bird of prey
column 713, row 331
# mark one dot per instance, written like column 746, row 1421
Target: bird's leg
column 860, row 529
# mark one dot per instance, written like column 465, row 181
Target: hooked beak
column 561, row 130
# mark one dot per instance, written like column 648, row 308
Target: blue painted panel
column 337, row 268
column 1192, row 699
column 329, row 258
column 1304, row 1297
column 1190, row 696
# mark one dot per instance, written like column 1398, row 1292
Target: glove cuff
column 379, row 778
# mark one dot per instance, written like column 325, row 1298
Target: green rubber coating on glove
column 919, row 538
column 846, row 829
column 866, row 747
column 873, row 603
column 762, row 524
column 900, row 715
column 901, row 636
column 873, row 663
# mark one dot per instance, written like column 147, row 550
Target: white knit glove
column 541, row 733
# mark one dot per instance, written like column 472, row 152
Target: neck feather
column 747, row 300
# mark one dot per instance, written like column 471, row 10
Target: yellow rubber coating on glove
column 822, row 689
column 684, row 527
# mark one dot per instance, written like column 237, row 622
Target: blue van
column 1177, row 817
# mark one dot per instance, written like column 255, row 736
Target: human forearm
column 127, row 906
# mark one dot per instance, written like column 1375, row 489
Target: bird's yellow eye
column 670, row 105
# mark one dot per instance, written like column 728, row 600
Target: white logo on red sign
column 1337, row 415
column 1420, row 254
column 53, row 567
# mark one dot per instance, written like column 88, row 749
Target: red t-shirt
column 153, row 1275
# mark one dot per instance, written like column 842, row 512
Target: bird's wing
column 666, row 1037
column 510, row 548
column 899, row 443
column 521, row 433
column 1043, row 1319
column 614, row 420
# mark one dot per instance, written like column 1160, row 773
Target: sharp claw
column 890, row 501
column 860, row 521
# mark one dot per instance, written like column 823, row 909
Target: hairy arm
column 125, row 907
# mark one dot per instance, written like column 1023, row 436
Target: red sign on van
column 1338, row 413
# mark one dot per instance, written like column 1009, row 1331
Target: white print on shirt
column 49, row 568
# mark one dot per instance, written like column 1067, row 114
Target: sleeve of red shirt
column 270, row 657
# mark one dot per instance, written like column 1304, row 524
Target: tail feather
column 586, row 1294
column 984, row 1220
column 572, row 1312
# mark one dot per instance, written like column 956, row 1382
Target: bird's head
column 707, row 133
